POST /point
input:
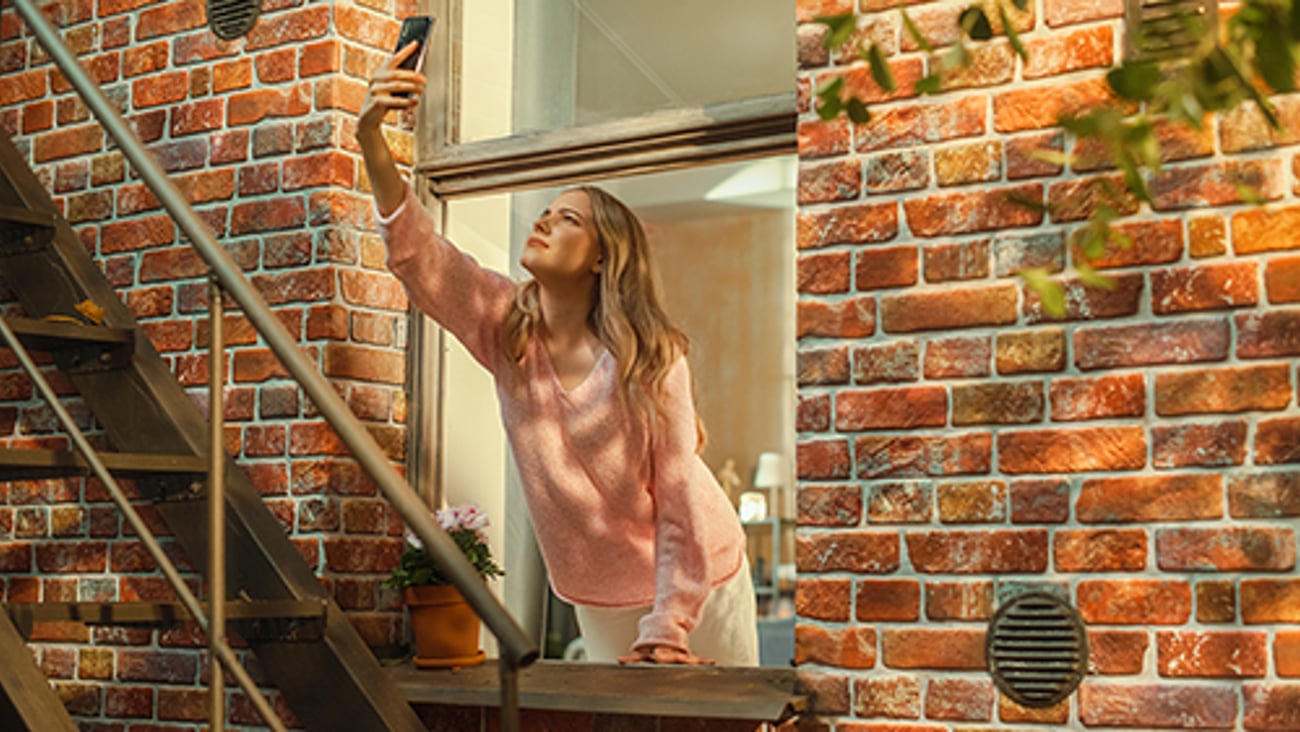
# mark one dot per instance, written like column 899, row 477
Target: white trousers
column 727, row 633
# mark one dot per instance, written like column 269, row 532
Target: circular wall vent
column 1037, row 649
column 230, row 19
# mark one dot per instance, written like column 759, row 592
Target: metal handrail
column 516, row 650
column 220, row 650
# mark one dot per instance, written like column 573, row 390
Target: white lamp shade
column 771, row 471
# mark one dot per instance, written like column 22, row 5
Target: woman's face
column 563, row 245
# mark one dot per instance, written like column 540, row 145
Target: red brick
column 823, row 273
column 1263, row 335
column 250, row 107
column 1245, row 128
column 1230, row 549
column 1286, row 653
column 822, row 366
column 888, row 600
column 826, row 693
column 963, row 261
column 1266, row 229
column 959, row 600
column 957, row 357
column 897, row 171
column 907, row 125
column 1117, row 652
column 1040, row 501
column 178, row 704
column 1039, row 107
column 852, row 551
column 1271, row 706
column 1216, row 184
column 1116, row 395
column 1100, row 550
column 960, row 699
column 825, row 182
column 1156, row 706
column 1070, row 451
column 975, row 552
column 966, row 212
column 1062, row 53
column 361, row 554
column 1251, row 388
column 1150, row 498
column 813, row 413
column 289, row 27
column 830, row 505
column 1024, row 159
column 1282, row 280
column 1077, row 200
column 71, row 557
column 156, row 666
column 1186, row 341
column 153, row 91
column 68, row 142
column 851, row 224
column 851, row 318
column 1207, row 236
column 822, row 599
column 1211, row 445
column 893, row 697
column 962, row 308
column 898, row 502
column 342, row 360
column 319, row 58
column 976, row 162
column 1030, row 351
column 933, row 648
column 972, row 502
column 895, row 361
column 810, row 38
column 1212, row 654
column 844, row 648
column 818, row 139
column 1264, row 495
column 859, row 81
column 918, row 455
column 1277, row 441
column 1134, row 601
column 1270, row 601
column 879, row 268
column 891, row 408
column 1204, row 287
column 1153, row 242
column 128, row 701
column 823, row 459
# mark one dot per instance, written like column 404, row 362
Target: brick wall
column 958, row 446
column 258, row 134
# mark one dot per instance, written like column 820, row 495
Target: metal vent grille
column 230, row 19
column 1160, row 30
column 1037, row 650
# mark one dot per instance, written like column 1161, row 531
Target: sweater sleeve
column 448, row 285
column 681, row 557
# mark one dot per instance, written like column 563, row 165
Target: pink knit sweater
column 623, row 518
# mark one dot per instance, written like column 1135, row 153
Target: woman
column 596, row 399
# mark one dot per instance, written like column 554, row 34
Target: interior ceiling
column 700, row 51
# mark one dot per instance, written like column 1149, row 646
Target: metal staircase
column 303, row 642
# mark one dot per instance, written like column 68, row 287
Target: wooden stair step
column 76, row 347
column 40, row 463
column 282, row 619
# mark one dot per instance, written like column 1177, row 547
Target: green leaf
column 857, row 111
column 1250, row 195
column 1012, row 35
column 1020, row 4
column 1033, row 204
column 1055, row 157
column 931, row 84
column 1274, row 58
column 917, row 36
column 880, row 70
column 975, row 23
column 1136, row 81
column 1049, row 290
column 842, row 28
column 829, row 94
column 1092, row 278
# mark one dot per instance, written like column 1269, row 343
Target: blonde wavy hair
column 627, row 317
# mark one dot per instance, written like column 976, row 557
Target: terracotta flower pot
column 446, row 629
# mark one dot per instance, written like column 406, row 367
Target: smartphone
column 414, row 28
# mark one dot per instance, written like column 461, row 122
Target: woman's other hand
column 664, row 654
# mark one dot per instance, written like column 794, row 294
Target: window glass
column 525, row 66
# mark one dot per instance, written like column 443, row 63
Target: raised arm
column 381, row 96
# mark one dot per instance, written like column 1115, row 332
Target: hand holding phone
column 415, row 28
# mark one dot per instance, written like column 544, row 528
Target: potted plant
column 445, row 628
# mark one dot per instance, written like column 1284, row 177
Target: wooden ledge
column 759, row 694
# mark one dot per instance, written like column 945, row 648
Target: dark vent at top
column 230, row 19
column 1037, row 650
column 1162, row 30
